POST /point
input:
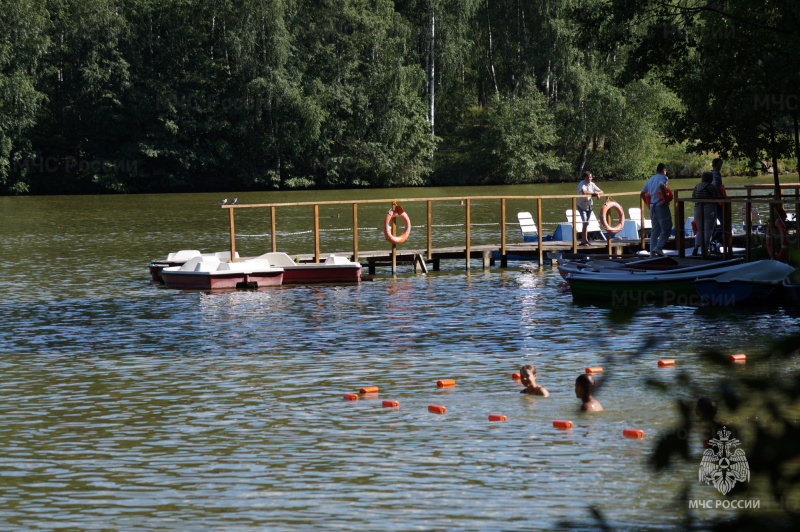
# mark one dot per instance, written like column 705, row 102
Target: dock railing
column 429, row 202
column 754, row 195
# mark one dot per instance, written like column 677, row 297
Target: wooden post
column 796, row 211
column 575, row 225
column 641, row 222
column 608, row 223
column 233, row 234
column 701, row 212
column 539, row 230
column 355, row 232
column 503, row 258
column 467, row 235
column 748, row 225
column 393, row 231
column 273, row 232
column 430, row 229
column 316, row 233
column 727, row 229
column 679, row 239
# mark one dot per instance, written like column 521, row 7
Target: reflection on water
column 127, row 406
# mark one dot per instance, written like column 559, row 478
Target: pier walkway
column 744, row 199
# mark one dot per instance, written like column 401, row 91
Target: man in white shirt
column 588, row 190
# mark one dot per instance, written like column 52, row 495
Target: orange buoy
column 437, row 409
column 351, row 397
column 559, row 424
column 515, row 376
column 740, row 357
column 368, row 389
column 497, row 417
column 666, row 362
column 391, row 404
column 445, row 383
column 633, row 433
column 594, row 370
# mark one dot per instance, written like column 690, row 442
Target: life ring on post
column 396, row 211
column 784, row 251
column 612, row 205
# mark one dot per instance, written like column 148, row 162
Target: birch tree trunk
column 490, row 52
column 432, row 70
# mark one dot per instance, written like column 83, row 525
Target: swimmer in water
column 584, row 387
column 527, row 375
column 706, row 411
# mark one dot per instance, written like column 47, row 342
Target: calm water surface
column 126, row 406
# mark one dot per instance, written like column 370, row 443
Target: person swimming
column 706, row 411
column 584, row 387
column 527, row 375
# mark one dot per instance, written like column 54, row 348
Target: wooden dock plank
column 419, row 258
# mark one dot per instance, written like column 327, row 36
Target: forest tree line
column 183, row 95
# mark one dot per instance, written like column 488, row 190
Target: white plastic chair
column 528, row 227
column 635, row 214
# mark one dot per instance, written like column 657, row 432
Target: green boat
column 635, row 288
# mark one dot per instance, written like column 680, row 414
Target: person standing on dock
column 588, row 190
column 655, row 189
column 705, row 214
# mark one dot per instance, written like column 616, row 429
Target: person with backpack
column 705, row 215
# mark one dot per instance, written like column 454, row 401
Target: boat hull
column 321, row 273
column 216, row 280
column 734, row 292
column 791, row 288
column 751, row 284
column 632, row 292
column 156, row 266
column 636, row 288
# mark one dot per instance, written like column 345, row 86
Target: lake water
column 127, row 406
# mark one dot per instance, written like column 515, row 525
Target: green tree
column 85, row 79
column 734, row 66
column 23, row 42
column 277, row 122
column 373, row 132
column 518, row 143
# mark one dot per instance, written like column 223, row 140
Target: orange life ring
column 396, row 211
column 781, row 227
column 607, row 206
column 667, row 196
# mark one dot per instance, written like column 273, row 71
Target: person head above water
column 584, row 386
column 661, row 169
column 527, row 374
column 706, row 177
column 706, row 408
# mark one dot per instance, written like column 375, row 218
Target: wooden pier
column 430, row 257
column 422, row 262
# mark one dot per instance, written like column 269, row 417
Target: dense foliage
column 167, row 95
